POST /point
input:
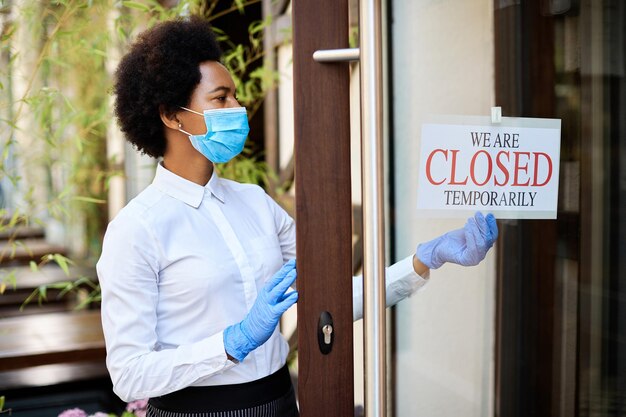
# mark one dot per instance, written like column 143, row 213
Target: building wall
column 442, row 63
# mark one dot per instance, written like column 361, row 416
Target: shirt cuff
column 403, row 281
column 210, row 355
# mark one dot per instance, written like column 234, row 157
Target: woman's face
column 216, row 90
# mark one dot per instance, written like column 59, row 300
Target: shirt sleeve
column 401, row 281
column 128, row 272
column 285, row 229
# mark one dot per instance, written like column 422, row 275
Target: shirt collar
column 215, row 186
column 184, row 190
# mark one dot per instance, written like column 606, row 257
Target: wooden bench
column 22, row 251
column 22, row 232
column 27, row 280
column 51, row 338
column 19, row 228
column 48, row 346
column 49, row 375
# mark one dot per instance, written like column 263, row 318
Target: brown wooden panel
column 323, row 207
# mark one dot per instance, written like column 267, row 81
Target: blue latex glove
column 262, row 319
column 466, row 246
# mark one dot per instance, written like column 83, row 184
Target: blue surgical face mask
column 226, row 133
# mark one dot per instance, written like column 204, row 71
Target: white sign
column 510, row 169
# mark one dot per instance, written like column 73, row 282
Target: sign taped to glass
column 510, row 168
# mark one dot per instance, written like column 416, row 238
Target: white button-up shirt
column 179, row 264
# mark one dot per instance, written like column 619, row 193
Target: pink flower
column 138, row 407
column 73, row 412
column 99, row 414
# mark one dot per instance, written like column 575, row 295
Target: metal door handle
column 336, row 55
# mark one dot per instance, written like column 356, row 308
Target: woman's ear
column 169, row 118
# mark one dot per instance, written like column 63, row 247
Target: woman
column 191, row 276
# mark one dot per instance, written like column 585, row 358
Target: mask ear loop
column 193, row 111
column 180, row 128
column 180, row 125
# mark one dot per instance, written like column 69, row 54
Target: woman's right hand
column 466, row 246
column 273, row 300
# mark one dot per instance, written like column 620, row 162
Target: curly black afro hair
column 160, row 71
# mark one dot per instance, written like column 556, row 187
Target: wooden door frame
column 323, row 207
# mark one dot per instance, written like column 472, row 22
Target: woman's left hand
column 261, row 321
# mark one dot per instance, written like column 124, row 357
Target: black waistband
column 226, row 397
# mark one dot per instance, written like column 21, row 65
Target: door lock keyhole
column 325, row 333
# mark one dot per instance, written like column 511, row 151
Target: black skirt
column 272, row 396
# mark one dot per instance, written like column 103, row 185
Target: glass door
column 539, row 328
column 441, row 63
column 562, row 311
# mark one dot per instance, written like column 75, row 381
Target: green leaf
column 240, row 4
column 30, row 298
column 69, row 286
column 14, row 218
column 1, row 403
column 33, row 266
column 122, row 34
column 218, row 31
column 83, row 281
column 9, row 279
column 62, row 261
column 136, row 5
column 8, row 33
column 99, row 52
column 43, row 292
column 259, row 25
column 89, row 199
